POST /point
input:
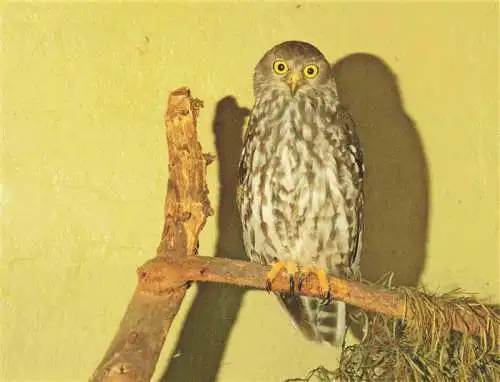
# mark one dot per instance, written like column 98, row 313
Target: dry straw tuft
column 423, row 346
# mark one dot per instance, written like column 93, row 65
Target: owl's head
column 292, row 68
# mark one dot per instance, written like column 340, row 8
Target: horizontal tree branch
column 160, row 275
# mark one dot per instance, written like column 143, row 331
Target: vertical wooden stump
column 135, row 349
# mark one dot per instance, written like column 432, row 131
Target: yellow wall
column 83, row 166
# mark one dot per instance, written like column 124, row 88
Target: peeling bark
column 135, row 349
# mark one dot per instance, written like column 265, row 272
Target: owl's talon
column 300, row 281
column 268, row 285
column 292, row 285
column 326, row 296
column 326, row 299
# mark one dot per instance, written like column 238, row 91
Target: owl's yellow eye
column 311, row 71
column 280, row 67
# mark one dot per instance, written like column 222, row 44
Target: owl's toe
column 289, row 267
column 322, row 280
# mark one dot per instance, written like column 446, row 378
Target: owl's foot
column 290, row 267
column 322, row 279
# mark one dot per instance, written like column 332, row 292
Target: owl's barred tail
column 318, row 322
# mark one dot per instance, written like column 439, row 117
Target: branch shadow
column 397, row 181
column 207, row 327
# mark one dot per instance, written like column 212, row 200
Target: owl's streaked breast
column 293, row 194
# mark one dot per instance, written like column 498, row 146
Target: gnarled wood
column 367, row 297
column 136, row 347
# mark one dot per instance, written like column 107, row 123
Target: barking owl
column 300, row 192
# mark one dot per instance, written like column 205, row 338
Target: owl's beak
column 293, row 81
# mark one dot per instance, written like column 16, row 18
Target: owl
column 300, row 191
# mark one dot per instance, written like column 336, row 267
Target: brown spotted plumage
column 301, row 179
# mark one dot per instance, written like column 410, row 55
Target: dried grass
column 422, row 347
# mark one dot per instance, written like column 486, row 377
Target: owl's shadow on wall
column 397, row 182
column 396, row 208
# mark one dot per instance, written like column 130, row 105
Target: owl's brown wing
column 354, row 157
column 242, row 165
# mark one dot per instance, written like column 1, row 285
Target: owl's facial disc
column 292, row 68
column 295, row 79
